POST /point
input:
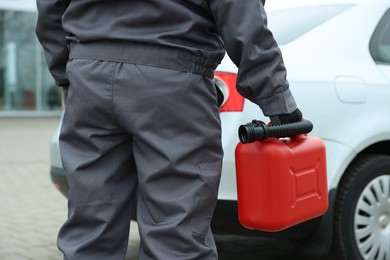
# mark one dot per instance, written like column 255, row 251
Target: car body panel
column 55, row 155
column 385, row 69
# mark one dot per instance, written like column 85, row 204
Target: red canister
column 281, row 182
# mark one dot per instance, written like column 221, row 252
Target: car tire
column 362, row 210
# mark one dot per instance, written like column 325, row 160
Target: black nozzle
column 258, row 130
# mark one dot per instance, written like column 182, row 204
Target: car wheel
column 362, row 210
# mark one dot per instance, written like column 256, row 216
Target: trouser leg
column 177, row 148
column 173, row 121
column 99, row 167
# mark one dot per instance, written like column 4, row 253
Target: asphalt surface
column 32, row 210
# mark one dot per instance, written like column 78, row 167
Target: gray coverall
column 141, row 125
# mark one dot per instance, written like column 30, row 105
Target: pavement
column 32, row 210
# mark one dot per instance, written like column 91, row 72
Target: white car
column 337, row 54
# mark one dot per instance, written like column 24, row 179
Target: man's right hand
column 282, row 119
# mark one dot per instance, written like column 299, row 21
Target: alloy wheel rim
column 372, row 220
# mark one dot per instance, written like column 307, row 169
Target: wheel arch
column 382, row 147
column 379, row 148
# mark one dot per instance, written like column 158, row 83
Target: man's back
column 182, row 23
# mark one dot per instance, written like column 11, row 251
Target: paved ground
column 32, row 210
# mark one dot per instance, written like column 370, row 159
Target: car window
column 287, row 25
column 380, row 41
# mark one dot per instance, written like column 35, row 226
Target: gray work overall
column 145, row 130
column 142, row 119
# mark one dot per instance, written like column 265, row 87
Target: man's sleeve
column 52, row 37
column 242, row 25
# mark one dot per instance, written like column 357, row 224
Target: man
column 141, row 125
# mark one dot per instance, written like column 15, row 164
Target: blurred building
column 26, row 86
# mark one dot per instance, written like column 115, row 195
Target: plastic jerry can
column 281, row 182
